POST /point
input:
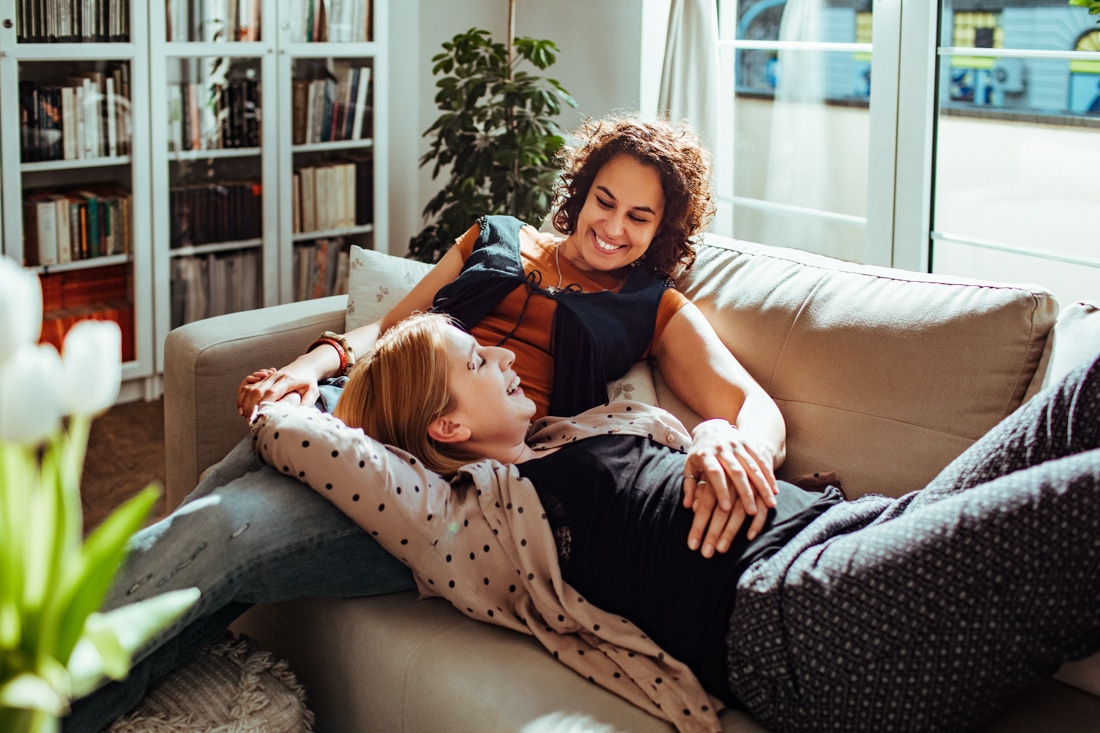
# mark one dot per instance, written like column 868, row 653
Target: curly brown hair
column 677, row 155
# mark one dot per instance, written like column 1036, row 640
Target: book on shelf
column 77, row 224
column 212, row 284
column 334, row 21
column 330, row 109
column 226, row 211
column 207, row 21
column 87, row 117
column 72, row 21
column 101, row 293
column 39, row 229
column 320, row 268
column 336, row 195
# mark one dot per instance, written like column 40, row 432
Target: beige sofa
column 882, row 375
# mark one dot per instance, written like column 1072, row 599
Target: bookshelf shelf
column 74, row 52
column 181, row 49
column 326, row 50
column 331, row 233
column 181, row 156
column 337, row 145
column 205, row 249
column 84, row 264
column 80, row 163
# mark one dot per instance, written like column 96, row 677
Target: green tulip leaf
column 86, row 585
column 110, row 639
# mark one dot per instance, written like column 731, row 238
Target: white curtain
column 689, row 76
column 797, row 160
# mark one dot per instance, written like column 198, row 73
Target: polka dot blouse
column 482, row 542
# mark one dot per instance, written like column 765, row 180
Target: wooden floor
column 125, row 454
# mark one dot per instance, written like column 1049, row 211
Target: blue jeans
column 247, row 534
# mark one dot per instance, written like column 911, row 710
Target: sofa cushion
column 376, row 282
column 882, row 375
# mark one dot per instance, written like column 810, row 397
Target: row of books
column 321, row 268
column 78, row 224
column 330, row 109
column 99, row 293
column 55, row 324
column 87, row 117
column 228, row 211
column 331, row 196
column 213, row 284
column 334, row 21
column 213, row 20
column 72, row 21
column 201, row 117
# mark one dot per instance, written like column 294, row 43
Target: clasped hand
column 273, row 385
column 726, row 480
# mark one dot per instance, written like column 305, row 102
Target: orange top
column 531, row 340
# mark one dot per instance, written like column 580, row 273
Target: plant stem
column 511, row 34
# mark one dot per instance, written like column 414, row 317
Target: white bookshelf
column 52, row 59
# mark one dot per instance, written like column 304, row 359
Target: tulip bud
column 20, row 307
column 91, row 367
column 30, row 407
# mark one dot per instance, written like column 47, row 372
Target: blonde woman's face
column 487, row 393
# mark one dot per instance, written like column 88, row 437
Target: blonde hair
column 396, row 392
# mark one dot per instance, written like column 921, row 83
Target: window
column 961, row 137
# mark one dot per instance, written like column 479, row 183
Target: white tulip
column 20, row 307
column 91, row 367
column 30, row 407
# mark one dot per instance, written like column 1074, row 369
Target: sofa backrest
column 882, row 375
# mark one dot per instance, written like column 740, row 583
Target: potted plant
column 496, row 136
column 54, row 645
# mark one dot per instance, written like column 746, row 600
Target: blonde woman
column 919, row 613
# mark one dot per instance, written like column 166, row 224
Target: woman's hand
column 293, row 383
column 726, row 479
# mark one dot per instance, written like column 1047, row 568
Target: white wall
column 600, row 64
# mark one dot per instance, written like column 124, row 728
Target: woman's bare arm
column 738, row 464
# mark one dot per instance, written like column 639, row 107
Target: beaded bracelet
column 343, row 350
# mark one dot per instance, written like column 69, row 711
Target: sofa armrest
column 204, row 363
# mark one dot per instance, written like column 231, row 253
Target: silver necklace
column 557, row 266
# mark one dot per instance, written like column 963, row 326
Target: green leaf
column 87, row 582
column 111, row 639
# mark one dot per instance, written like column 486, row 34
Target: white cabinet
column 75, row 154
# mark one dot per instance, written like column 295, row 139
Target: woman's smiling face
column 485, row 391
column 620, row 217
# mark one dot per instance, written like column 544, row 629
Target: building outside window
column 962, row 137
